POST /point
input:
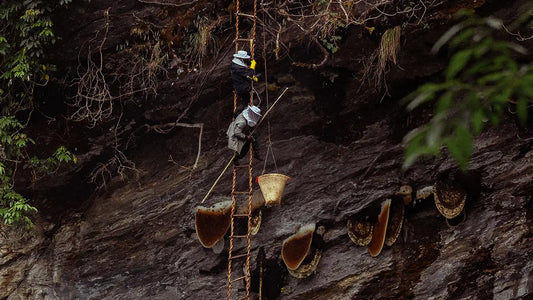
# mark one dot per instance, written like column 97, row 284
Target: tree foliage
column 482, row 79
column 25, row 32
column 26, row 29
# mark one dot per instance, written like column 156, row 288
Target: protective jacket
column 241, row 77
column 237, row 132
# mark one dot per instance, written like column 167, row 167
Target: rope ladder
column 235, row 194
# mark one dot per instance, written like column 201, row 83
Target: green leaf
column 445, row 102
column 423, row 94
column 457, row 63
column 522, row 109
column 492, row 77
column 446, row 37
column 461, row 37
column 476, row 67
column 461, row 146
column 485, row 46
column 502, row 96
column 527, row 85
column 417, row 146
column 413, row 151
column 477, row 121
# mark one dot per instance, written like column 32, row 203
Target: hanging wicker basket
column 272, row 186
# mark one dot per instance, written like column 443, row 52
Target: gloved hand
column 252, row 64
column 255, row 78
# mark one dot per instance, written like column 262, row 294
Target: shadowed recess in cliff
column 329, row 88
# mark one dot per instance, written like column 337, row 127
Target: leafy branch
column 481, row 80
column 25, row 31
column 14, row 208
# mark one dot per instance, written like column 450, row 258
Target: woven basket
column 272, row 186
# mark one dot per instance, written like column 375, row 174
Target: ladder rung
column 241, row 166
column 238, row 236
column 247, row 192
column 245, row 15
column 237, row 279
column 240, row 215
column 244, row 40
column 242, row 298
column 239, row 256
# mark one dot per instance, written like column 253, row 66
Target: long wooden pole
column 219, row 176
column 266, row 113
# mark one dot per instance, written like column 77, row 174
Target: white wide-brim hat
column 252, row 114
column 241, row 54
column 256, row 110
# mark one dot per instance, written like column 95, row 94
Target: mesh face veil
column 252, row 114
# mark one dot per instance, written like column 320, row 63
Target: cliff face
column 340, row 144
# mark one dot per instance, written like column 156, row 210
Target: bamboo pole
column 266, row 113
column 219, row 176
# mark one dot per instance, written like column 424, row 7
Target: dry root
column 119, row 164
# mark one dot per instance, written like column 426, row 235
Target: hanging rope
column 237, row 9
column 249, row 228
column 269, row 141
column 252, row 45
column 252, row 50
column 231, row 230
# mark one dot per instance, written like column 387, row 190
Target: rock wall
column 342, row 148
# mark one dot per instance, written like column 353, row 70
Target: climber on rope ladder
column 242, row 75
column 240, row 133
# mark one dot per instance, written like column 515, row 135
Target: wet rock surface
column 136, row 240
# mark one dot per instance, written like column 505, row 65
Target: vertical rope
column 231, row 232
column 266, row 90
column 252, row 50
column 262, row 259
column 237, row 9
column 248, row 237
column 269, row 142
